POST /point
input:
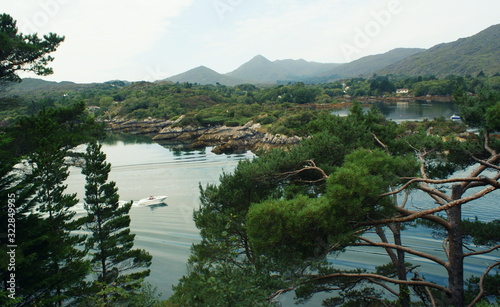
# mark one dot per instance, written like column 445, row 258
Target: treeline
column 165, row 100
column 282, row 109
column 50, row 256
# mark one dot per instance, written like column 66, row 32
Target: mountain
column 367, row 65
column 260, row 70
column 302, row 67
column 470, row 55
column 205, row 75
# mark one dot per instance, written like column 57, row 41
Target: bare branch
column 277, row 294
column 481, row 284
column 383, row 286
column 311, row 166
column 402, row 248
column 381, row 144
column 421, row 214
column 482, row 252
column 446, row 247
column 494, row 159
column 430, row 217
column 485, row 163
column 438, row 196
column 427, row 290
column 487, row 144
column 380, row 232
column 384, row 278
column 405, row 200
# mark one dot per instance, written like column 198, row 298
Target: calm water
column 142, row 168
column 417, row 110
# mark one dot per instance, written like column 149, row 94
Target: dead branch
column 481, row 284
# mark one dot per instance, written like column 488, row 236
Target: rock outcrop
column 225, row 139
column 132, row 126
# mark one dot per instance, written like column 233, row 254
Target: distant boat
column 152, row 200
column 455, row 117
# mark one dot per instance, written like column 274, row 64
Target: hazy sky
column 154, row 39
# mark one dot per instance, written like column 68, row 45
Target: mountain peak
column 259, row 59
column 204, row 75
column 260, row 70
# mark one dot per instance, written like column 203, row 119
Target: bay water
column 141, row 167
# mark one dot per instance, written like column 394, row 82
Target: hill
column 205, row 75
column 260, row 70
column 302, row 67
column 470, row 55
column 365, row 66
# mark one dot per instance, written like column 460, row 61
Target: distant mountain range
column 471, row 55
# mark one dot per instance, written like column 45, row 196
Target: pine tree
column 57, row 248
column 50, row 265
column 110, row 241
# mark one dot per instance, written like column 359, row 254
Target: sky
column 155, row 39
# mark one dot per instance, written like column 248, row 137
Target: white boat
column 455, row 117
column 152, row 200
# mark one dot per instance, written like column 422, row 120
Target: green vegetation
column 20, row 52
column 52, row 265
column 274, row 224
column 280, row 109
column 110, row 243
column 475, row 55
column 285, row 213
column 54, row 260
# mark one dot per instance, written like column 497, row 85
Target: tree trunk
column 456, row 259
column 404, row 290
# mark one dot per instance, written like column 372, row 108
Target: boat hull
column 153, row 200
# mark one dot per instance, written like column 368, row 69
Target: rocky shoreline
column 224, row 139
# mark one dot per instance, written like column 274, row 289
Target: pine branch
column 481, row 284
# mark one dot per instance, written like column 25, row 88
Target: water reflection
column 127, row 139
column 403, row 110
column 413, row 110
